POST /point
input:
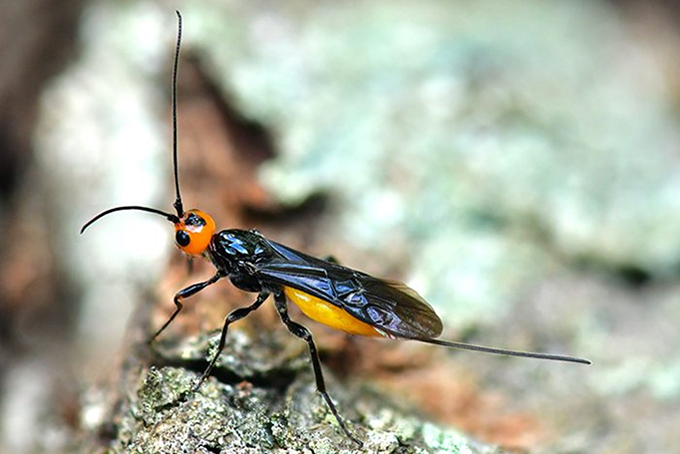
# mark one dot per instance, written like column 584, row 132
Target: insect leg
column 235, row 315
column 186, row 293
column 304, row 334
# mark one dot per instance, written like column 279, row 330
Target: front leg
column 304, row 334
column 186, row 293
column 235, row 315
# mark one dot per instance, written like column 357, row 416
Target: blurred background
column 517, row 163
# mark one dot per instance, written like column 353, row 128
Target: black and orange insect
column 325, row 291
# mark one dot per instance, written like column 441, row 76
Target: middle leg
column 235, row 315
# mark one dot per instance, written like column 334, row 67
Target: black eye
column 182, row 238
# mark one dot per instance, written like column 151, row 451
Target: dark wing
column 390, row 306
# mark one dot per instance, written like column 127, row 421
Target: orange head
column 193, row 232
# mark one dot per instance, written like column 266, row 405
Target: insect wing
column 390, row 306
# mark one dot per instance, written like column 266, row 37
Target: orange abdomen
column 329, row 314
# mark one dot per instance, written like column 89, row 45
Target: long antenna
column 178, row 200
column 169, row 216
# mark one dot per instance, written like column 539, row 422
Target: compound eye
column 182, row 238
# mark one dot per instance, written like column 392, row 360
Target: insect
column 325, row 291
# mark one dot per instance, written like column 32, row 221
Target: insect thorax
column 235, row 252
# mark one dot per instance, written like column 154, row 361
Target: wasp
column 332, row 294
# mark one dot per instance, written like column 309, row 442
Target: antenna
column 178, row 200
column 169, row 216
